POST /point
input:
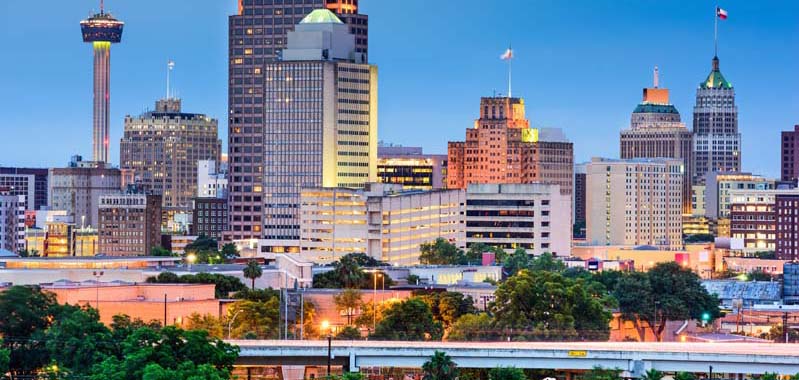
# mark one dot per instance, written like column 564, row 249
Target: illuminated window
column 247, row 51
column 249, row 31
column 257, row 70
column 238, row 61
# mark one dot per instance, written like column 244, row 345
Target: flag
column 721, row 13
column 508, row 54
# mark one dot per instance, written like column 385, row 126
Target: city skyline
column 554, row 62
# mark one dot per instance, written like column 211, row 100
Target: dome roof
column 715, row 79
column 655, row 108
column 321, row 16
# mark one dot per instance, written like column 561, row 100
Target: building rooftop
column 655, row 108
column 321, row 16
column 715, row 79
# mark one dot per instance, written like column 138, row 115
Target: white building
column 12, row 222
column 634, row 202
column 20, row 184
column 77, row 189
column 211, row 183
column 536, row 217
column 718, row 186
column 382, row 221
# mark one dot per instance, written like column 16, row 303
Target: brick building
column 130, row 224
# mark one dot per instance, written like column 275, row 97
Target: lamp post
column 326, row 326
column 191, row 258
column 230, row 323
column 97, row 275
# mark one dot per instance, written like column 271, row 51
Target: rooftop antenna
column 170, row 65
column 656, row 77
column 101, row 6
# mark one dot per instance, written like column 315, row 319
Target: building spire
column 656, row 77
column 715, row 63
column 101, row 6
column 170, row 64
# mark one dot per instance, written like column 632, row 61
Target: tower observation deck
column 102, row 30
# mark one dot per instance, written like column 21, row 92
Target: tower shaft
column 101, row 119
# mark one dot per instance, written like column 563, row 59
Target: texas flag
column 721, row 13
column 508, row 54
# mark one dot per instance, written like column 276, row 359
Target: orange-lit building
column 175, row 302
column 502, row 148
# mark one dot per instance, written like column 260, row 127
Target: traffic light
column 705, row 317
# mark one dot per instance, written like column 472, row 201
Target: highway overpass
column 634, row 357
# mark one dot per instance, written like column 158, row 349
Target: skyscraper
column 717, row 143
column 102, row 30
column 163, row 148
column 18, row 180
column 502, row 148
column 657, row 132
column 320, row 129
column 790, row 155
column 257, row 35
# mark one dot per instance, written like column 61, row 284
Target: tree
column 547, row 262
column 777, row 334
column 348, row 302
column 515, row 262
column 653, row 374
column 252, row 271
column 475, row 253
column 229, row 251
column 224, row 284
column 413, row 279
column 364, row 260
column 203, row 243
column 441, row 252
column 759, row 275
column 506, row 373
column 206, row 322
column 410, row 319
column 4, row 358
column 259, row 318
column 160, row 251
column 472, row 328
column 26, row 313
column 440, row 367
column 77, row 340
column 699, row 238
column 348, row 333
column 667, row 292
column 448, row 306
column 770, row 376
column 684, row 376
column 599, row 373
column 544, row 305
column 261, row 295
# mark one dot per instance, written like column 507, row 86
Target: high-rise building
column 383, row 221
column 502, row 148
column 18, row 180
column 718, row 187
column 411, row 168
column 77, row 189
column 130, row 224
column 257, row 35
column 634, row 202
column 717, row 143
column 787, row 243
column 210, row 217
column 578, row 205
column 753, row 218
column 12, row 221
column 163, row 148
column 790, row 155
column 319, row 129
column 102, row 30
column 511, row 216
column 657, row 132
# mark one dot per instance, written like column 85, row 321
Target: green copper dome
column 655, row 108
column 715, row 79
column 321, row 16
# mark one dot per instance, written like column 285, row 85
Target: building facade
column 130, row 224
column 210, row 217
column 320, row 129
column 502, row 148
column 634, row 202
column 719, row 185
column 60, row 239
column 257, row 36
column 790, row 155
column 77, row 190
column 19, row 182
column 787, row 214
column 163, row 148
column 656, row 131
column 211, row 181
column 511, row 216
column 383, row 221
column 717, row 142
column 753, row 218
column 579, row 200
column 12, row 222
column 411, row 168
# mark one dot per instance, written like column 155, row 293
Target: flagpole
column 716, row 31
column 510, row 76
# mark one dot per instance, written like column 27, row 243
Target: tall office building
column 634, row 202
column 717, row 143
column 410, row 167
column 102, row 30
column 163, row 148
column 502, row 148
column 578, row 200
column 257, row 35
column 719, row 185
column 31, row 182
column 787, row 226
column 77, row 189
column 130, row 224
column 12, row 221
column 320, row 129
column 789, row 156
column 657, row 132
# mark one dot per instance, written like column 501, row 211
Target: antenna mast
column 101, row 6
column 170, row 64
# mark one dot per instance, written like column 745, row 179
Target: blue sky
column 580, row 65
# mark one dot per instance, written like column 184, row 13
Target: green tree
column 229, row 251
column 441, row 252
column 770, row 376
column 472, row 328
column 413, row 279
column 599, row 373
column 160, row 251
column 448, row 306
column 547, row 262
column 260, row 318
column 364, row 260
column 202, row 243
column 684, row 376
column 700, row 238
column 515, row 262
column 544, row 305
column 777, row 334
column 26, row 313
column 506, row 373
column 186, row 370
column 252, row 271
column 667, row 292
column 261, row 295
column 348, row 302
column 348, row 333
column 5, row 358
column 475, row 253
column 759, row 275
column 224, row 285
column 653, row 374
column 77, row 340
column 410, row 319
column 206, row 322
column 440, row 367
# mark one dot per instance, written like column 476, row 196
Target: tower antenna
column 656, row 78
column 169, row 65
column 101, row 6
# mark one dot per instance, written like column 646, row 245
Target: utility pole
column 785, row 325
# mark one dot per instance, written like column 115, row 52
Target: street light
column 97, row 275
column 326, row 326
column 191, row 258
column 230, row 323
